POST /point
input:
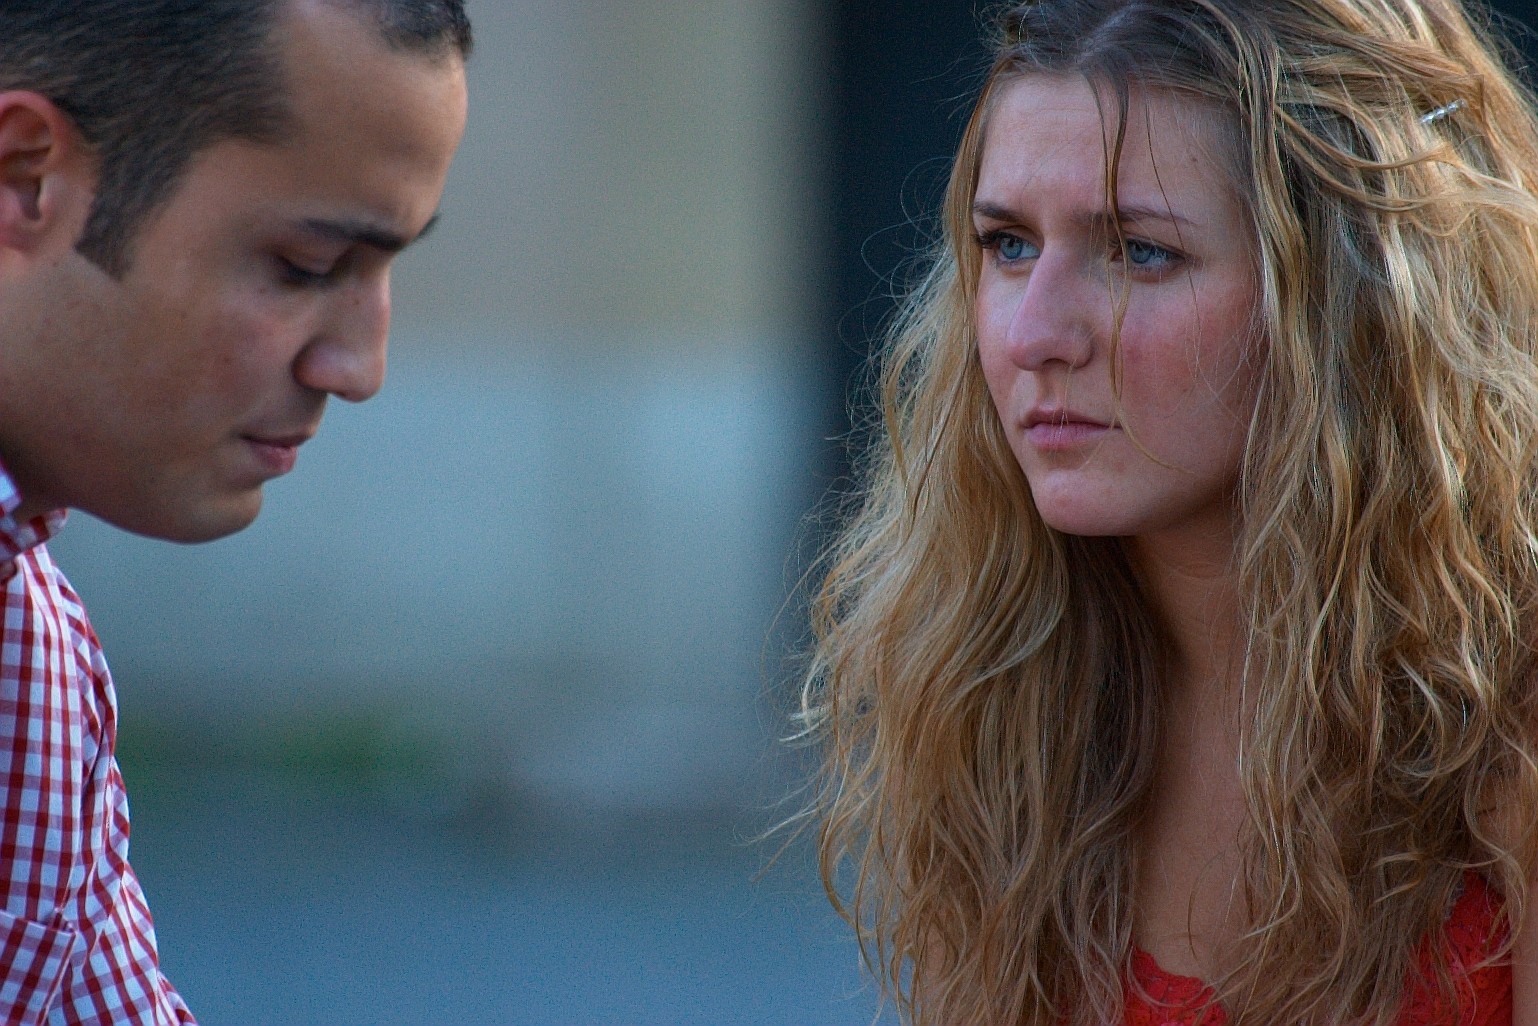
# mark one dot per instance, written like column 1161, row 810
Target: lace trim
column 1484, row 988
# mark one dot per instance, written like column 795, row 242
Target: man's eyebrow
column 1128, row 214
column 363, row 233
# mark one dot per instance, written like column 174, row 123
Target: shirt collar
column 17, row 537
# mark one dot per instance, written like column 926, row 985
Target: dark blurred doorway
column 903, row 72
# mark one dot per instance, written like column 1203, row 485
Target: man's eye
column 293, row 274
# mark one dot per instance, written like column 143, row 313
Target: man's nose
column 347, row 358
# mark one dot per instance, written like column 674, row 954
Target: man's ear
column 46, row 172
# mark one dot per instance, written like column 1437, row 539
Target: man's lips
column 278, row 452
column 291, row 441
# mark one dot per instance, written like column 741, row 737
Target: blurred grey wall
column 560, row 536
column 631, row 170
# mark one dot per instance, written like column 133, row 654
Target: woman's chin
column 1086, row 523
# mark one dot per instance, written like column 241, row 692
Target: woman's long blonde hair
column 988, row 690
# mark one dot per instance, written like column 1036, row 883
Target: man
column 199, row 203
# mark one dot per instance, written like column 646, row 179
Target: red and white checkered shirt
column 76, row 942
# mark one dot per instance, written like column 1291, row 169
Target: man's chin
column 188, row 522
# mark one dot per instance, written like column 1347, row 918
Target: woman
column 1178, row 664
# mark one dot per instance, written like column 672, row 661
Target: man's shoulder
column 50, row 657
column 32, row 578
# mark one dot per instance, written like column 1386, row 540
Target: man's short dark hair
column 150, row 83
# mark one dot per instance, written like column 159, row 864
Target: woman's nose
column 1057, row 314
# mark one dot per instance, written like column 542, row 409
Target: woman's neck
column 1190, row 581
column 1186, row 892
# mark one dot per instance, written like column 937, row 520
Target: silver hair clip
column 1442, row 112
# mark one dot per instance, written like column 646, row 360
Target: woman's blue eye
column 1011, row 247
column 1146, row 254
column 1006, row 246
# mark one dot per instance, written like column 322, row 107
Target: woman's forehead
column 1058, row 131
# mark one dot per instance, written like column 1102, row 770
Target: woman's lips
column 1050, row 430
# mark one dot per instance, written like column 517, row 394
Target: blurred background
column 481, row 721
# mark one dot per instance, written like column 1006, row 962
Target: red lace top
column 1469, row 935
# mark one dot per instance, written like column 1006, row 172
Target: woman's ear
column 46, row 172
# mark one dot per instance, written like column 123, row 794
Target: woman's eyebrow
column 1127, row 214
column 993, row 212
column 1135, row 213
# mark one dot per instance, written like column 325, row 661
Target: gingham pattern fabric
column 76, row 942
